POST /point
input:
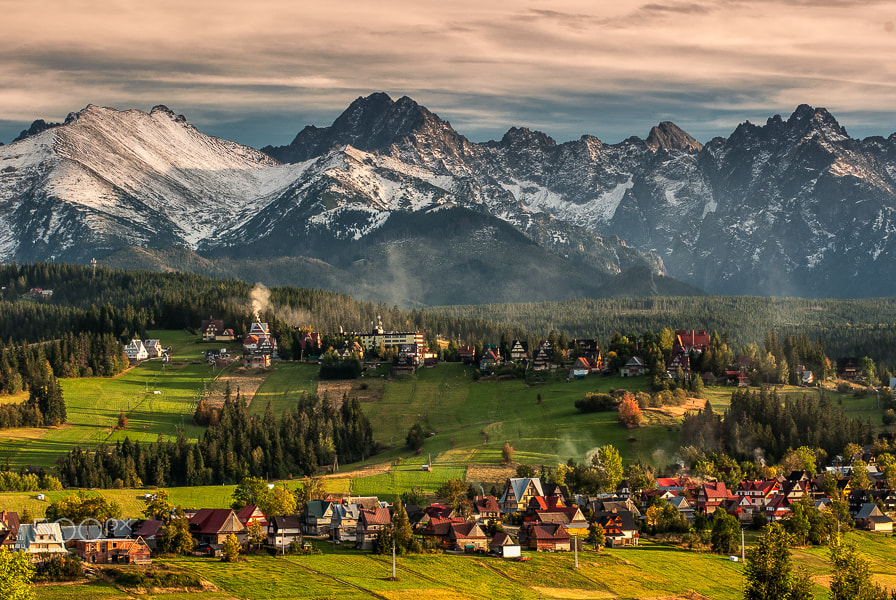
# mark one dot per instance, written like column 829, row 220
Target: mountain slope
column 131, row 186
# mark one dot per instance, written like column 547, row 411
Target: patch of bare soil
column 365, row 390
column 488, row 475
column 246, row 381
column 691, row 404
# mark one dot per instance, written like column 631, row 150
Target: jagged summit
column 37, row 126
column 373, row 123
column 524, row 135
column 669, row 136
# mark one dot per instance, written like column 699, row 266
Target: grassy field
column 93, row 406
column 648, row 571
column 540, row 422
column 284, row 386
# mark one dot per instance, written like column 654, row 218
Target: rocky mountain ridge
column 792, row 207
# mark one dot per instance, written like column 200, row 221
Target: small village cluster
column 535, row 516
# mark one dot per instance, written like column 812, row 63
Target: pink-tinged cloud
column 569, row 67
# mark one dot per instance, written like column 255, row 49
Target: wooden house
column 485, row 509
column 871, row 517
column 9, row 529
column 519, row 351
column 370, row 522
column 317, row 517
column 467, row 537
column 518, row 493
column 212, row 526
column 619, row 527
column 634, row 367
column 284, row 530
column 545, row 537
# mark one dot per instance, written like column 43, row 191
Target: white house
column 136, row 350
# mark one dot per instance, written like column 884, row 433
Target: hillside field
column 650, row 571
column 470, row 420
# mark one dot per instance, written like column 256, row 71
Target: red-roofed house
column 114, row 551
column 467, row 537
column 711, row 495
column 213, row 525
column 252, row 514
column 485, row 509
column 369, row 524
column 545, row 536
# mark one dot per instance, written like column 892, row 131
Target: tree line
column 761, row 421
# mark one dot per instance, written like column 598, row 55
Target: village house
column 541, row 360
column 590, row 351
column 40, row 540
column 344, row 521
column 679, row 363
column 619, row 527
column 518, row 493
column 212, row 526
column 551, row 537
column 9, row 529
column 710, row 496
column 848, row 368
column 871, row 517
column 634, row 367
column 317, row 516
column 250, row 514
column 370, row 522
column 485, row 509
column 283, row 530
column 260, row 340
column 519, row 351
column 114, row 551
column 467, row 537
column 490, row 359
column 691, row 341
column 579, row 369
column 504, row 545
column 213, row 331
column 467, row 354
column 154, row 348
column 438, row 529
column 136, row 350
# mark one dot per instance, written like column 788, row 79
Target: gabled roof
column 548, row 531
column 377, row 516
column 623, row 519
column 519, row 486
column 465, row 531
column 211, row 521
column 280, row 522
column 502, row 539
column 248, row 512
column 486, row 504
column 146, row 528
column 318, row 508
column 872, row 511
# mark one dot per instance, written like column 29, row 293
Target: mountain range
column 391, row 203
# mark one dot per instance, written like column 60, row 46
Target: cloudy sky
column 257, row 72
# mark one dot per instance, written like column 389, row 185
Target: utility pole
column 393, row 554
column 575, row 543
column 742, row 547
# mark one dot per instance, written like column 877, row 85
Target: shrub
column 596, row 403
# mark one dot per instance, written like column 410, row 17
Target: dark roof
column 146, row 528
column 286, row 522
column 548, row 531
column 502, row 539
column 210, row 520
column 377, row 516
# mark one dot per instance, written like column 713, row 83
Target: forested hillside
column 865, row 327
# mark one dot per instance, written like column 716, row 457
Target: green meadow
column 157, row 398
column 648, row 571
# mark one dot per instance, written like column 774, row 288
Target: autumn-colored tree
column 507, row 454
column 629, row 413
column 231, row 549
